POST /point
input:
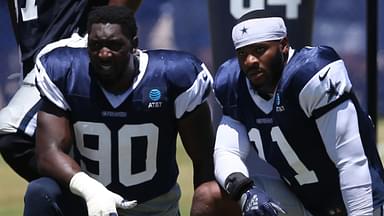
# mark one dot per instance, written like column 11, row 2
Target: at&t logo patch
column 154, row 95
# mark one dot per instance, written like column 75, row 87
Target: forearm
column 53, row 142
column 226, row 163
column 196, row 134
column 358, row 200
column 345, row 148
column 203, row 171
column 355, row 181
column 231, row 148
column 57, row 165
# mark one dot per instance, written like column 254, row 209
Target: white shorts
column 20, row 113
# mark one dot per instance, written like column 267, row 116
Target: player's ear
column 284, row 47
column 284, row 44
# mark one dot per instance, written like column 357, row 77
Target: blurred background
column 184, row 25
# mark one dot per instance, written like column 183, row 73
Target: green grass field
column 12, row 187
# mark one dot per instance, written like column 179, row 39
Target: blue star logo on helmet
column 154, row 94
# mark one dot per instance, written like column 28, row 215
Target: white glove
column 100, row 201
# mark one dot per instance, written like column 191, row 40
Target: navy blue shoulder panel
column 226, row 85
column 304, row 64
column 68, row 68
column 179, row 68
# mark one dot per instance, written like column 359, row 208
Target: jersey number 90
column 103, row 155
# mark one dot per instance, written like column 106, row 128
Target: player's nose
column 251, row 59
column 105, row 53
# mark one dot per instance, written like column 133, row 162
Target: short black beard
column 277, row 67
column 127, row 73
column 276, row 70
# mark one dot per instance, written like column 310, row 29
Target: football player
column 118, row 110
column 37, row 23
column 298, row 110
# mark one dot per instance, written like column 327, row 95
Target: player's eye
column 94, row 45
column 259, row 50
column 240, row 53
column 115, row 46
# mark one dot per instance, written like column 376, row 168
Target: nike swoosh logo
column 321, row 78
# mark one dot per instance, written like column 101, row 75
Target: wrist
column 237, row 184
column 85, row 186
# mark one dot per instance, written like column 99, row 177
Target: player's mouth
column 105, row 66
column 255, row 74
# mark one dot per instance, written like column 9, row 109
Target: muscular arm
column 339, row 129
column 53, row 141
column 231, row 148
column 197, row 136
column 340, row 132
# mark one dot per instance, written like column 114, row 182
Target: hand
column 100, row 201
column 255, row 202
column 106, row 202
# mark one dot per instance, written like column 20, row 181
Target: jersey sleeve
column 231, row 149
column 225, row 87
column 327, row 88
column 340, row 133
column 327, row 98
column 51, row 67
column 192, row 84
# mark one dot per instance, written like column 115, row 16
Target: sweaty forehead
column 105, row 29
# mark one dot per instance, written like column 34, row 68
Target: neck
column 266, row 95
column 127, row 78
